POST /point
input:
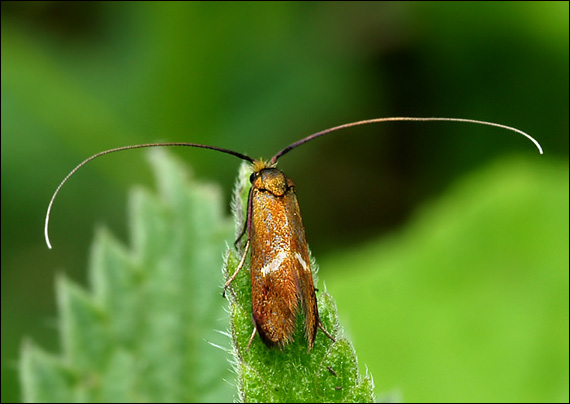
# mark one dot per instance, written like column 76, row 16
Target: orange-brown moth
column 281, row 275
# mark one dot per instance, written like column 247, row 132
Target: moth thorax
column 271, row 180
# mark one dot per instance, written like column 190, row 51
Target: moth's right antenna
column 400, row 119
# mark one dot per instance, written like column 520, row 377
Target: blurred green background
column 446, row 245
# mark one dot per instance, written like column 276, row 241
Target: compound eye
column 253, row 176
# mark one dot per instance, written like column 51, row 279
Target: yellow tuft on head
column 261, row 164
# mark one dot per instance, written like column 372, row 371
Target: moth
column 281, row 275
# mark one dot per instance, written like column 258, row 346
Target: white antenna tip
column 46, row 235
column 47, row 240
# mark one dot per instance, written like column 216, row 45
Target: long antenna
column 136, row 146
column 278, row 155
column 399, row 119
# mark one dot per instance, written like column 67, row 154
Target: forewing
column 302, row 265
column 274, row 281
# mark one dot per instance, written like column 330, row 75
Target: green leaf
column 329, row 373
column 142, row 332
column 475, row 287
column 44, row 377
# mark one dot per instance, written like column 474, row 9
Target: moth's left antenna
column 118, row 149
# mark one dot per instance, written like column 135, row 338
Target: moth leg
column 251, row 338
column 240, row 235
column 247, row 223
column 325, row 331
column 240, row 265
